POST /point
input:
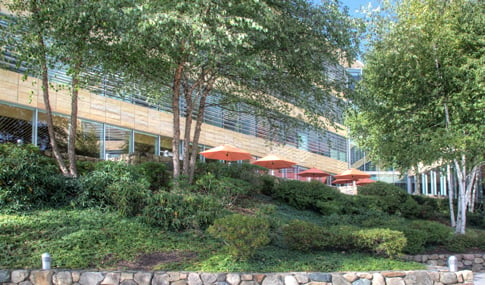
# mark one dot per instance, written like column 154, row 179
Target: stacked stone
column 473, row 262
column 67, row 277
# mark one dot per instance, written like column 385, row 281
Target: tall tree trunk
column 50, row 123
column 466, row 181
column 189, row 110
column 176, row 119
column 198, row 125
column 451, row 194
column 71, row 148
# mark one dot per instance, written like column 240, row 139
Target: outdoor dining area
column 347, row 181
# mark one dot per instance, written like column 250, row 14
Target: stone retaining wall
column 70, row 277
column 474, row 262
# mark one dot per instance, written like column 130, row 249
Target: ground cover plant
column 118, row 216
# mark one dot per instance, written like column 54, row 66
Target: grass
column 83, row 239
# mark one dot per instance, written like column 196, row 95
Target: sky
column 355, row 5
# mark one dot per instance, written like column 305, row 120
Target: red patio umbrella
column 352, row 174
column 341, row 181
column 313, row 172
column 365, row 181
column 274, row 162
column 226, row 152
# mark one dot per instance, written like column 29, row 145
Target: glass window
column 88, row 138
column 165, row 146
column 61, row 130
column 15, row 124
column 145, row 144
column 117, row 142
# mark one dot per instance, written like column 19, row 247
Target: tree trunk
column 451, row 194
column 188, row 126
column 176, row 119
column 50, row 123
column 198, row 126
column 71, row 147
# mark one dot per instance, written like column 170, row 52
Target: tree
column 422, row 95
column 59, row 35
column 270, row 55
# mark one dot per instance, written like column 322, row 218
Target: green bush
column 243, row 235
column 306, row 236
column 242, row 171
column 308, row 195
column 430, row 208
column 387, row 197
column 303, row 236
column 380, row 241
column 226, row 189
column 155, row 173
column 180, row 211
column 472, row 239
column 29, row 180
column 115, row 185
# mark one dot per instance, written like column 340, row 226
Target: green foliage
column 243, row 235
column 155, row 173
column 389, row 198
column 305, row 195
column 225, row 189
column 181, row 210
column 29, row 180
column 472, row 239
column 304, row 236
column 380, row 241
column 114, row 185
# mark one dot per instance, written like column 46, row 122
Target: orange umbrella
column 226, row 152
column 341, row 181
column 352, row 174
column 274, row 162
column 364, row 181
column 313, row 172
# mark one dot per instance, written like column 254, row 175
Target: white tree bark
column 451, row 195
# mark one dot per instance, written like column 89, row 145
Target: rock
column 63, row 278
column 338, row 279
column 418, row 278
column 468, row 256
column 91, row 278
column 194, row 279
column 233, row 279
column 290, row 280
column 302, row 277
column 4, row 276
column 259, row 278
column 320, row 277
column 208, row 278
column 179, row 282
column 19, row 276
column 272, row 279
column 395, row 281
column 161, row 279
column 126, row 276
column 246, row 277
column 378, row 279
column 128, row 282
column 448, row 278
column 249, row 282
column 351, row 277
column 362, row 282
column 391, row 274
column 467, row 275
column 76, row 276
column 112, row 278
column 41, row 277
column 143, row 278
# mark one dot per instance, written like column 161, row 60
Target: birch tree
column 422, row 94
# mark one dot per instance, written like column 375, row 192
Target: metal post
column 452, row 263
column 46, row 261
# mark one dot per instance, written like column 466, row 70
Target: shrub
column 179, row 211
column 155, row 173
column 380, row 241
column 472, row 239
column 303, row 236
column 29, row 180
column 243, row 235
column 227, row 189
column 387, row 197
column 114, row 185
column 308, row 195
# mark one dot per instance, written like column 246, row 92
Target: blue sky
column 355, row 5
